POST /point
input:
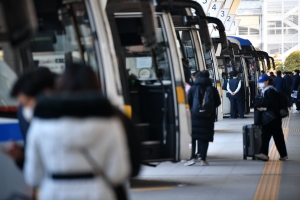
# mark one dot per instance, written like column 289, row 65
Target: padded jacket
column 296, row 82
column 203, row 127
column 270, row 101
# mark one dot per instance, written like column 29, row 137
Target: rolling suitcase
column 251, row 140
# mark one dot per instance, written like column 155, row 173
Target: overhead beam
column 234, row 6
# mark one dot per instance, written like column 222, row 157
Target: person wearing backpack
column 273, row 104
column 202, row 103
column 236, row 100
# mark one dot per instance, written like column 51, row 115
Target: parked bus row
column 137, row 50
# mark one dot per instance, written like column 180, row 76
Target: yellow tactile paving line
column 268, row 186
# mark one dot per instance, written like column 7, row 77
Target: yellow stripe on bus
column 128, row 110
column 180, row 94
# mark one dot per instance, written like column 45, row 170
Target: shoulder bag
column 119, row 190
column 267, row 117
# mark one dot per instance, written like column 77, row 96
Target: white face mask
column 27, row 113
column 261, row 85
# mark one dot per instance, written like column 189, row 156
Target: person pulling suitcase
column 270, row 103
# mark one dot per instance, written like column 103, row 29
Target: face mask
column 261, row 85
column 27, row 113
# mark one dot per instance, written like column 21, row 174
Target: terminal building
column 271, row 25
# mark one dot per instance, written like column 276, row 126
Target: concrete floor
column 227, row 177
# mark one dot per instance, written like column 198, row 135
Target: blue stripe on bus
column 10, row 132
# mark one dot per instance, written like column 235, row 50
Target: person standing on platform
column 236, row 100
column 289, row 81
column 202, row 103
column 280, row 85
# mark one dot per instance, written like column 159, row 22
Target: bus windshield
column 64, row 37
column 139, row 59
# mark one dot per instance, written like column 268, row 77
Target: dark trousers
column 236, row 102
column 202, row 148
column 273, row 129
column 297, row 103
column 290, row 100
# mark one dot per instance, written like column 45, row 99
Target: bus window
column 239, row 67
column 187, row 48
column 222, row 70
column 8, row 77
column 139, row 61
column 64, row 38
column 210, row 65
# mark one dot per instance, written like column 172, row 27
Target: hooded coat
column 203, row 127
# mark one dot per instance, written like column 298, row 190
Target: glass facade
column 271, row 25
column 281, row 20
column 249, row 12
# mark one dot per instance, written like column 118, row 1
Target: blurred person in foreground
column 26, row 90
column 77, row 147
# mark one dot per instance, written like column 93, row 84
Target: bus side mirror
column 150, row 23
column 18, row 21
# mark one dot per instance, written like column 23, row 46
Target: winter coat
column 296, row 82
column 281, row 85
column 65, row 127
column 203, row 127
column 270, row 101
column 288, row 80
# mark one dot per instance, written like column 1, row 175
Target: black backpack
column 199, row 99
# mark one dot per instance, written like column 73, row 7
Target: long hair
column 77, row 78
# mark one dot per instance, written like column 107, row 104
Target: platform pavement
column 228, row 176
column 290, row 175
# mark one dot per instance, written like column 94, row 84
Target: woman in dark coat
column 203, row 119
column 274, row 128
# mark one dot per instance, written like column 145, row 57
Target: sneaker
column 190, row 162
column 243, row 117
column 296, row 112
column 262, row 157
column 283, row 158
column 204, row 163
